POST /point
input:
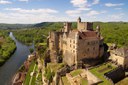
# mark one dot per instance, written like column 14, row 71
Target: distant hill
column 15, row 26
column 48, row 25
column 38, row 25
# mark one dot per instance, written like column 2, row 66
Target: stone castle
column 76, row 46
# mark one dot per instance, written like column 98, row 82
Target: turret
column 67, row 26
column 79, row 20
column 84, row 26
column 98, row 30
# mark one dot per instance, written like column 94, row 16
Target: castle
column 76, row 46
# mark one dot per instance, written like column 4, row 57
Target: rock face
column 76, row 45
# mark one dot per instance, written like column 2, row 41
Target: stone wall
column 88, row 49
column 85, row 26
column 118, row 59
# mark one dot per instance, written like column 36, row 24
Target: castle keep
column 76, row 46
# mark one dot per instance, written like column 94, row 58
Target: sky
column 36, row 11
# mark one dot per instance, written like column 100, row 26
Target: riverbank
column 7, row 47
column 8, row 70
column 21, row 76
column 4, row 61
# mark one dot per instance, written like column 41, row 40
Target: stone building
column 77, row 45
column 120, row 56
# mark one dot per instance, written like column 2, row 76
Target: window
column 74, row 46
column 88, row 49
column 88, row 43
column 74, row 41
column 93, row 48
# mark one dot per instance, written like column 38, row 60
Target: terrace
column 35, row 78
column 75, row 77
column 100, row 70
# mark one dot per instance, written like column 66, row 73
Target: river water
column 11, row 66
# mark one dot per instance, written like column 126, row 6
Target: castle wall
column 69, row 58
column 88, row 49
column 126, row 62
column 54, row 41
column 70, row 51
column 118, row 59
column 84, row 26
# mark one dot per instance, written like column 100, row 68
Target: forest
column 113, row 32
column 7, row 46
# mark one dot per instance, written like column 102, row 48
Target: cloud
column 24, row 0
column 113, row 5
column 116, row 16
column 84, row 9
column 79, row 3
column 5, row 2
column 118, row 8
column 19, row 15
column 84, row 3
column 96, row 2
column 20, row 10
column 93, row 13
column 73, row 12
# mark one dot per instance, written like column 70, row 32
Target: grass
column 55, row 66
column 43, row 44
column 84, row 81
column 34, row 77
column 39, row 79
column 65, row 81
column 100, row 75
column 27, row 79
column 76, row 72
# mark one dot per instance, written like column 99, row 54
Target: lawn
column 76, row 72
column 97, row 72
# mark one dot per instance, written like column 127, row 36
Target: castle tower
column 98, row 30
column 84, row 26
column 67, row 26
column 76, row 55
column 78, row 23
column 79, row 20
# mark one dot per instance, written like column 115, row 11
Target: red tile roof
column 88, row 34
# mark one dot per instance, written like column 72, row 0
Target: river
column 11, row 66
